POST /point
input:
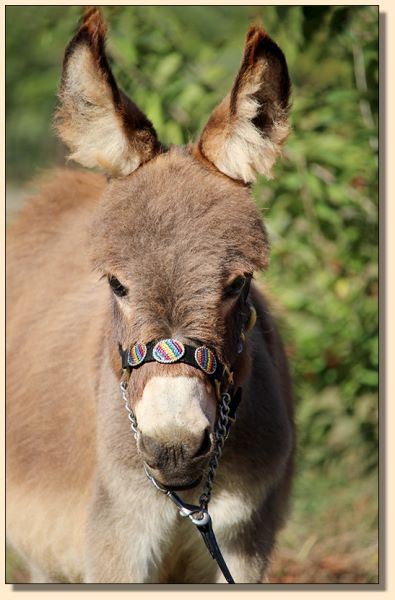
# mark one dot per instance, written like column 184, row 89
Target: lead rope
column 197, row 514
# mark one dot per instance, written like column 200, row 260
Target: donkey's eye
column 233, row 289
column 117, row 287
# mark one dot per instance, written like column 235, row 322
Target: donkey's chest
column 184, row 556
column 175, row 548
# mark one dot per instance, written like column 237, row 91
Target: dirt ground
column 333, row 560
column 332, row 532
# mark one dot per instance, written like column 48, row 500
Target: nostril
column 151, row 449
column 205, row 446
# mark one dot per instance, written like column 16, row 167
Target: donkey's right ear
column 98, row 122
column 245, row 132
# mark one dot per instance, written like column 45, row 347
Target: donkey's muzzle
column 179, row 464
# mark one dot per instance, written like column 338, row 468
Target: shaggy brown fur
column 175, row 231
column 145, row 230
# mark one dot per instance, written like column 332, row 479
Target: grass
column 332, row 532
column 331, row 535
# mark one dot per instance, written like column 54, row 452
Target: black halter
column 173, row 351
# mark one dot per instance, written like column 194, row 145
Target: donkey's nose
column 175, row 417
column 175, row 456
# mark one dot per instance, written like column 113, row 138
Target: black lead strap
column 211, row 543
column 209, row 539
column 203, row 522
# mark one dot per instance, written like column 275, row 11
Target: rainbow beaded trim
column 137, row 354
column 168, row 351
column 206, row 360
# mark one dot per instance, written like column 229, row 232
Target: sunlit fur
column 239, row 149
column 91, row 128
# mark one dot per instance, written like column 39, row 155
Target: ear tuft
column 92, row 32
column 99, row 123
column 262, row 54
column 93, row 21
column 245, row 132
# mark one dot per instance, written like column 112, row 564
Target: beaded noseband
column 170, row 351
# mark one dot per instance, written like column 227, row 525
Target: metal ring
column 203, row 520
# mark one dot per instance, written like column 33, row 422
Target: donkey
column 152, row 259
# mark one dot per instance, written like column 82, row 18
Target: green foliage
column 321, row 208
column 323, row 219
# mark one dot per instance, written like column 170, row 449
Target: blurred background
column 321, row 210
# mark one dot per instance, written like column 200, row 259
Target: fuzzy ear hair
column 244, row 134
column 98, row 122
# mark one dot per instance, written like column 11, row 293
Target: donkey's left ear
column 98, row 122
column 244, row 134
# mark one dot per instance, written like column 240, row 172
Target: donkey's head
column 177, row 233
